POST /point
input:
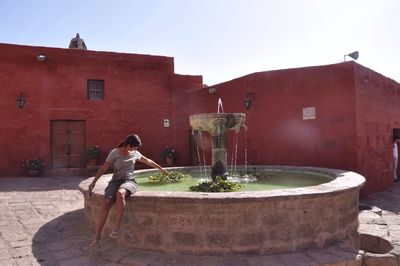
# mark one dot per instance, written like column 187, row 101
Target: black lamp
column 20, row 101
column 248, row 100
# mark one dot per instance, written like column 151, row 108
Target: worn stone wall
column 378, row 113
column 262, row 222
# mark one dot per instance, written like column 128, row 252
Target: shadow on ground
column 64, row 241
column 387, row 200
column 29, row 184
column 60, row 239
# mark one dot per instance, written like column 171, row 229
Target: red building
column 75, row 99
column 338, row 116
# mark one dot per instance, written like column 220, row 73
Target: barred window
column 95, row 89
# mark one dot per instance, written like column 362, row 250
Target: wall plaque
column 308, row 113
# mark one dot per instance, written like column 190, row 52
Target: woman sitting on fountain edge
column 122, row 183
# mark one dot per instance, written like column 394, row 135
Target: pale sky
column 219, row 39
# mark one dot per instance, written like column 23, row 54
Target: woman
column 395, row 158
column 122, row 183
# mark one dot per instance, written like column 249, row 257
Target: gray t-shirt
column 123, row 164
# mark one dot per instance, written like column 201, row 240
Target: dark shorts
column 113, row 186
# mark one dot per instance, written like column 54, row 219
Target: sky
column 218, row 39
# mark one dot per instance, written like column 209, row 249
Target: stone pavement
column 42, row 223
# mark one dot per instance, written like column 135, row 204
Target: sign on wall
column 308, row 113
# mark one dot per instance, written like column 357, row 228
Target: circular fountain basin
column 249, row 222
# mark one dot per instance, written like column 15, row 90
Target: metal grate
column 95, row 89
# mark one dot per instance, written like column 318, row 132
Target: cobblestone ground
column 42, row 223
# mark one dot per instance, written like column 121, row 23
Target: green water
column 271, row 179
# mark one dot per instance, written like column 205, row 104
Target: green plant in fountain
column 219, row 185
column 171, row 177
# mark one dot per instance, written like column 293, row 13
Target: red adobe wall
column 139, row 94
column 378, row 109
column 356, row 110
column 181, row 106
column 277, row 133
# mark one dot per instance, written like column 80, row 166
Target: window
column 95, row 89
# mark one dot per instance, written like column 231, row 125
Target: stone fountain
column 217, row 124
column 247, row 222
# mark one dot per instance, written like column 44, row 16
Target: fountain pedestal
column 217, row 124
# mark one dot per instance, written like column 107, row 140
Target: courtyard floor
column 42, row 223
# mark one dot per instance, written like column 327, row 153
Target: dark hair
column 133, row 140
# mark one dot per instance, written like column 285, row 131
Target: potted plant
column 34, row 166
column 169, row 155
column 93, row 155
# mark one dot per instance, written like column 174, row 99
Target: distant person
column 122, row 183
column 395, row 158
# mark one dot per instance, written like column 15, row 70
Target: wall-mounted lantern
column 21, row 101
column 41, row 57
column 248, row 100
column 212, row 90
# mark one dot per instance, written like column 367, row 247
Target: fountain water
column 220, row 106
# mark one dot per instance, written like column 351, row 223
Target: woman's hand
column 91, row 186
column 99, row 173
column 152, row 164
column 163, row 171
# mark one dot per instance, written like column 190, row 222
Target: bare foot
column 94, row 243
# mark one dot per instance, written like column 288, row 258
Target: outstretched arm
column 153, row 164
column 99, row 173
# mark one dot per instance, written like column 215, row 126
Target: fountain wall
column 263, row 222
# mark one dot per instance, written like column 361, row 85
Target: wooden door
column 67, row 143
